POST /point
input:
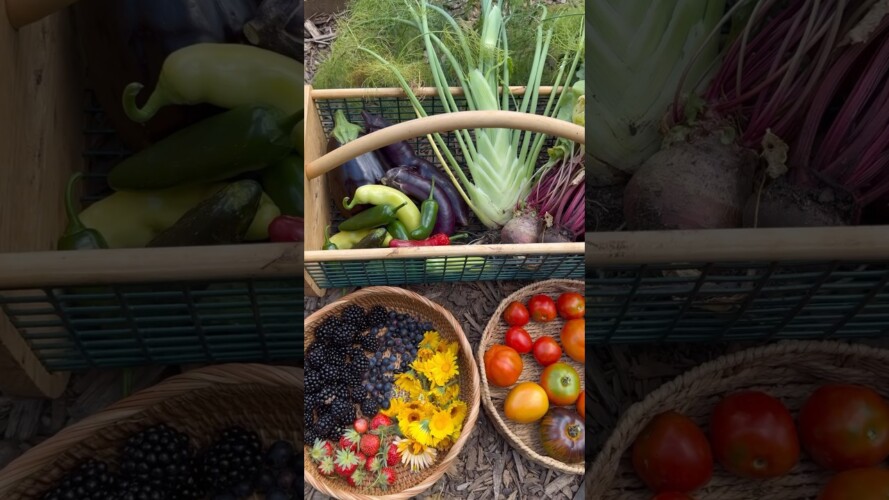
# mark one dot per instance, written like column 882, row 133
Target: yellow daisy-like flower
column 430, row 341
column 441, row 425
column 446, row 442
column 451, row 392
column 425, row 353
column 408, row 383
column 457, row 410
column 449, row 348
column 407, row 417
column 414, row 454
column 419, row 431
column 396, row 405
column 440, row 368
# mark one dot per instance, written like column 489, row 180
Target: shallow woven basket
column 200, row 403
column 526, row 437
column 790, row 371
column 408, row 485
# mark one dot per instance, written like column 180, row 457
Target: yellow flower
column 419, row 432
column 415, row 454
column 430, row 341
column 441, row 425
column 451, row 392
column 440, row 368
column 408, row 383
column 458, row 411
column 407, row 417
column 396, row 405
column 449, row 348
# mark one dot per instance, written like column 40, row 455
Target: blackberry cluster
column 139, row 490
column 377, row 317
column 90, row 481
column 232, row 463
column 159, row 455
column 355, row 317
column 279, row 478
column 313, row 381
column 326, row 331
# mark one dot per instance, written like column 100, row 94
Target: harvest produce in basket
column 841, row 427
column 233, row 176
column 488, row 184
column 382, row 397
column 162, row 463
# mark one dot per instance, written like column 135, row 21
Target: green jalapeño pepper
column 225, row 75
column 232, row 143
column 380, row 215
column 397, row 230
column 78, row 236
column 283, row 182
column 372, row 194
column 374, row 239
column 428, row 214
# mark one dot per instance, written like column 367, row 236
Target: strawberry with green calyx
column 374, row 465
column 362, row 459
column 380, row 420
column 357, row 478
column 360, row 425
column 392, row 455
column 327, row 467
column 369, row 444
column 350, row 440
column 386, row 478
column 320, row 450
column 346, row 462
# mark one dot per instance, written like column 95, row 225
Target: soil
column 487, row 466
column 786, row 205
column 605, row 208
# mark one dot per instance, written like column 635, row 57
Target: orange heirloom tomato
column 526, row 403
column 561, row 383
column 573, row 339
column 503, row 365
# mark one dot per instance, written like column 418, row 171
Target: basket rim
column 471, row 416
column 46, row 452
column 499, row 424
column 572, row 248
column 608, row 458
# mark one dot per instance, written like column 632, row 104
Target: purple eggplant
column 357, row 172
column 401, row 154
column 409, row 181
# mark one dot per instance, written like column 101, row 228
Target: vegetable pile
column 555, row 402
column 162, row 463
column 491, row 177
column 382, row 398
column 841, row 427
column 231, row 175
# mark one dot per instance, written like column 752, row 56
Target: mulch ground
column 487, row 463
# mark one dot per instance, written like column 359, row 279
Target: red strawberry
column 350, row 440
column 362, row 459
column 345, row 463
column 392, row 455
column 373, row 465
column 370, row 444
column 389, row 476
column 320, row 450
column 380, row 420
column 327, row 468
column 361, row 425
column 357, row 478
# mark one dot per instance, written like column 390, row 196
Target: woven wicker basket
column 201, row 403
column 790, row 371
column 525, row 437
column 407, row 485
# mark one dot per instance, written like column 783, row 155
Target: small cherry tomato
column 845, row 427
column 672, row 454
column 542, row 309
column 519, row 339
column 516, row 314
column 503, row 365
column 561, row 383
column 673, row 496
column 546, row 350
column 573, row 339
column 571, row 305
column 753, row 435
column 858, row 484
column 526, row 403
column 581, row 404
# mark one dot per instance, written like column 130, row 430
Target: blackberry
column 310, row 435
column 369, row 342
column 325, row 427
column 340, row 392
column 353, row 377
column 308, row 415
column 89, row 481
column 355, row 316
column 369, row 407
column 313, row 381
column 344, row 335
column 377, row 316
column 317, row 355
column 279, row 454
column 326, row 331
column 192, row 488
column 328, row 373
column 158, row 455
column 235, row 458
column 342, row 410
column 140, row 490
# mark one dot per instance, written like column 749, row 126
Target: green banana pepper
column 373, row 194
column 131, row 219
column 380, row 215
column 374, row 239
column 328, row 245
column 283, row 182
column 345, row 240
column 241, row 140
column 225, row 75
column 77, row 236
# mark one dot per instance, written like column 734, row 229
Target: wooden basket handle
column 444, row 123
column 24, row 12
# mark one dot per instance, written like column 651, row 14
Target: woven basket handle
column 24, row 12
column 444, row 123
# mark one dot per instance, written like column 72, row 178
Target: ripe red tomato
column 571, row 305
column 546, row 350
column 561, row 383
column 519, row 339
column 573, row 339
column 672, row 454
column 857, row 484
column 581, row 404
column 845, row 427
column 542, row 308
column 753, row 435
column 503, row 365
column 515, row 314
column 673, row 496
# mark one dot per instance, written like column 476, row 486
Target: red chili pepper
column 286, row 229
column 435, row 240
